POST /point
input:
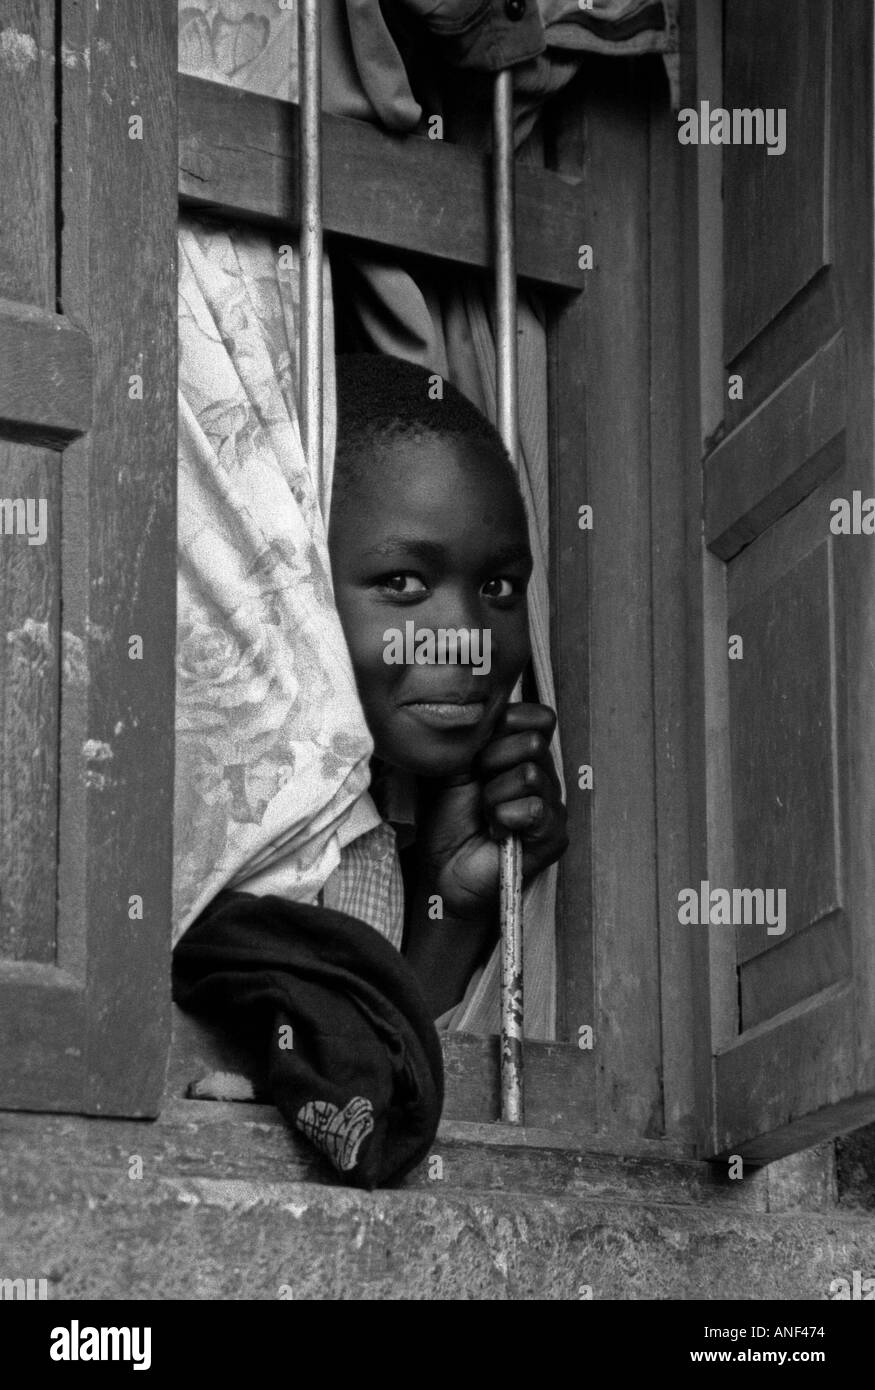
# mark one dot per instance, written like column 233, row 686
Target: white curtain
column 272, row 749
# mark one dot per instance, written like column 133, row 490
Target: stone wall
column 229, row 1206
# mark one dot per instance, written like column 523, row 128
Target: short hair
column 381, row 399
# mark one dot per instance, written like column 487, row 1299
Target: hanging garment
column 335, row 1017
column 541, row 39
column 611, row 26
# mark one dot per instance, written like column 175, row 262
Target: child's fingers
column 526, row 714
column 525, row 779
column 506, row 752
column 525, row 816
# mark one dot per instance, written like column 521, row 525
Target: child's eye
column 404, row 584
column 500, row 588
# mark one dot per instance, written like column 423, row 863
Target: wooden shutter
column 790, row 755
column 87, row 302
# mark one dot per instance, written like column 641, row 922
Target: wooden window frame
column 817, row 342
column 85, row 981
column 84, row 320
column 238, row 156
column 239, row 160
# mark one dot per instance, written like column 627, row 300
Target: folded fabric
column 486, row 35
column 353, row 1059
column 611, row 26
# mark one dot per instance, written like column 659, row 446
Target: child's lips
column 448, row 713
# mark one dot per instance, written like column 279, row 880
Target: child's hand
column 512, row 789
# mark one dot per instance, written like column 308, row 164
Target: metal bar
column 505, row 260
column 506, row 384
column 310, row 330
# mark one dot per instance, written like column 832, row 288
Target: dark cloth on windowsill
column 361, row 1071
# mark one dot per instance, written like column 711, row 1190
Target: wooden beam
column 118, row 558
column 45, row 376
column 238, row 158
column 570, row 605
column 228, row 1141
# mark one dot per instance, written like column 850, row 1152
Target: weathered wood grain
column 559, row 1077
column 92, row 1034
column 570, row 600
column 42, row 1027
column 674, row 613
column 615, row 380
column 30, row 672
column 45, row 376
column 771, row 256
column 254, row 1144
column 784, row 755
column 801, row 1066
column 701, row 331
column 790, row 1081
column 119, row 281
column 27, row 153
column 803, row 965
column 852, row 161
column 779, row 453
column 238, row 157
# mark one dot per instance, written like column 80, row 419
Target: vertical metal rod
column 507, row 393
column 310, row 331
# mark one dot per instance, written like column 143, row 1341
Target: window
column 751, row 773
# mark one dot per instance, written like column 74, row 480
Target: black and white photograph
column 437, row 668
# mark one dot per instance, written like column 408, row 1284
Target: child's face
column 436, row 537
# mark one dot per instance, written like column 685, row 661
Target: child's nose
column 461, row 610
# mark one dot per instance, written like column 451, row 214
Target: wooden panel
column 570, row 610
column 42, row 1028
column 701, row 334
column 87, row 1028
column 779, row 454
column 803, row 1069
column 854, row 136
column 27, row 152
column 786, row 343
column 45, row 376
column 775, row 206
column 30, row 640
column 784, row 768
column 795, row 967
column 119, row 269
column 811, row 1049
column 614, row 375
column 238, row 157
column 252, row 1143
column 560, row 1082
column 672, row 696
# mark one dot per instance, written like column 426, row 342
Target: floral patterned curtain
column 272, row 749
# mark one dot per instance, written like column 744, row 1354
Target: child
column 428, row 531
